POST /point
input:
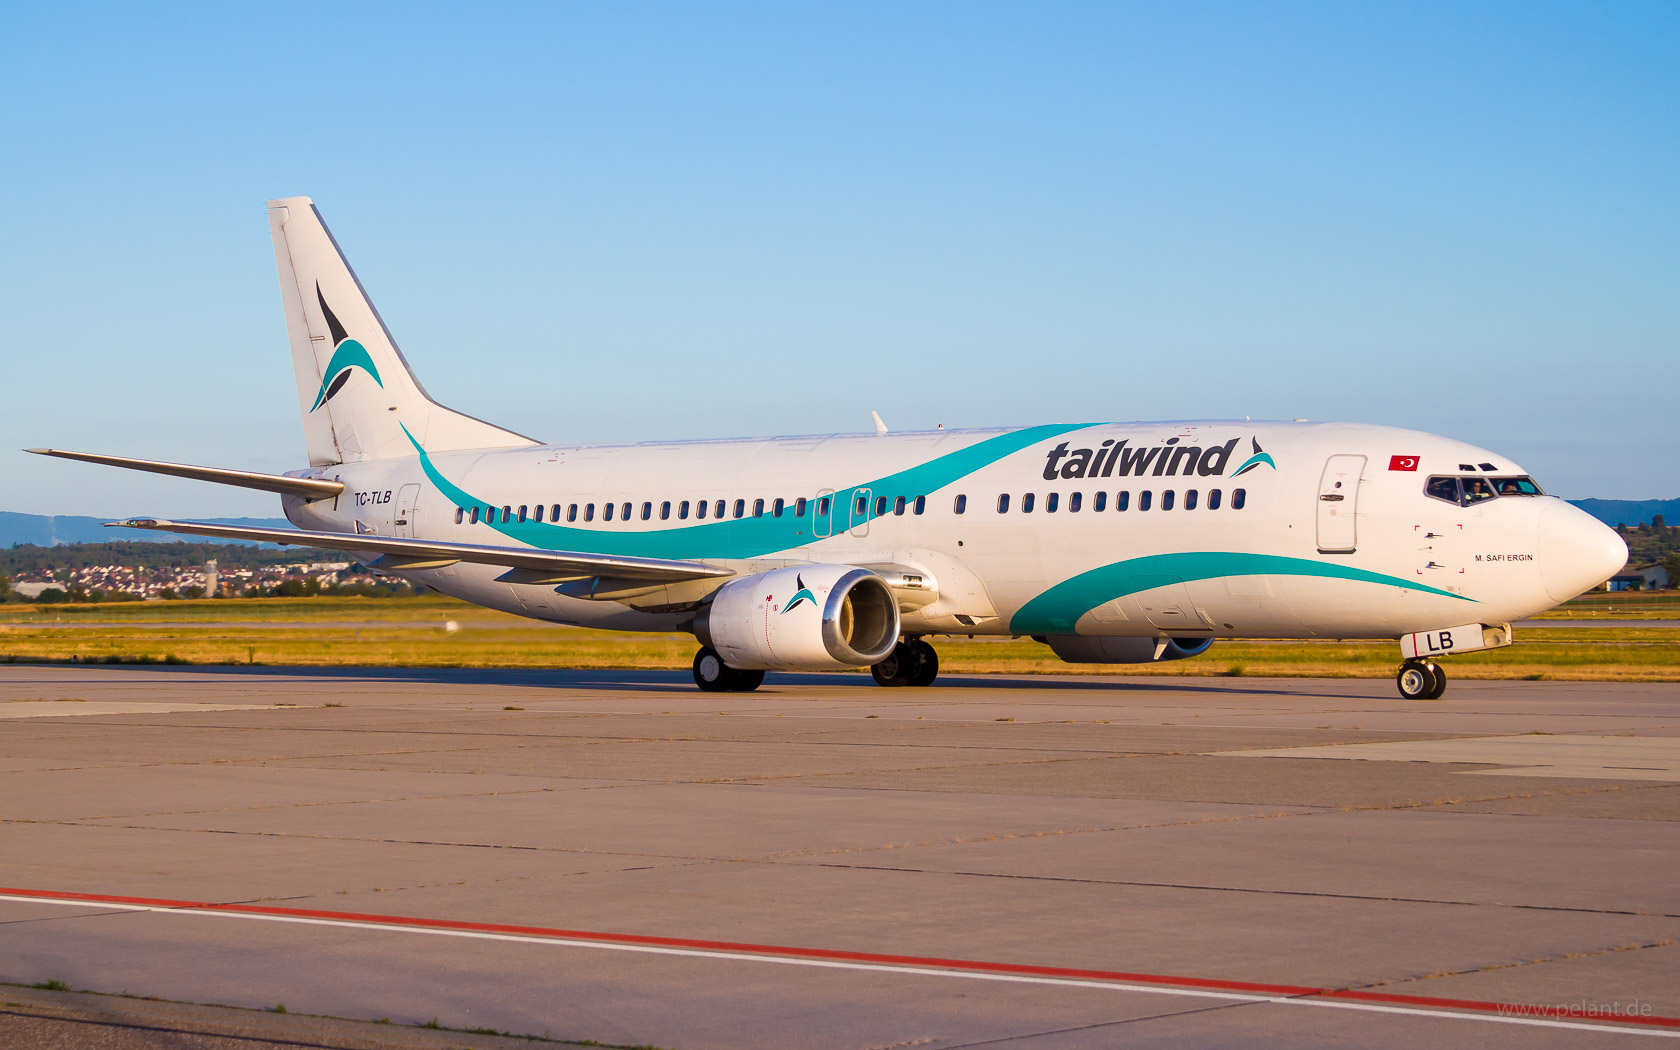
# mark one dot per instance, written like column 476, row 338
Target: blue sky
column 627, row 221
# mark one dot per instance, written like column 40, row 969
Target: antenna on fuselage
column 880, row 426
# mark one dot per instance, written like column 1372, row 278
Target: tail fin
column 355, row 388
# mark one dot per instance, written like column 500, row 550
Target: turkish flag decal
column 1402, row 463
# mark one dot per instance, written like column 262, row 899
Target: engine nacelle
column 1081, row 649
column 802, row 618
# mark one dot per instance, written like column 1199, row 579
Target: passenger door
column 404, row 518
column 1338, row 504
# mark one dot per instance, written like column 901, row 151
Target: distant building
column 211, row 581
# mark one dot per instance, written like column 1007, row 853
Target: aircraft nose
column 1576, row 551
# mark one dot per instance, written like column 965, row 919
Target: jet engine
column 1080, row 649
column 802, row 618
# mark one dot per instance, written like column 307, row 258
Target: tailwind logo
column 802, row 595
column 347, row 354
column 1260, row 456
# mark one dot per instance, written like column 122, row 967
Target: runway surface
column 1015, row 862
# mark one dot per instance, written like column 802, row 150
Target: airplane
column 1112, row 543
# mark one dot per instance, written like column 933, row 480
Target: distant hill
column 44, row 530
column 1631, row 511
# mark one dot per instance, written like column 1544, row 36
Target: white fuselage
column 1328, row 533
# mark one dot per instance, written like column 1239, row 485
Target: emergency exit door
column 1338, row 504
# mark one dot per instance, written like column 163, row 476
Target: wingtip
column 40, row 451
column 134, row 523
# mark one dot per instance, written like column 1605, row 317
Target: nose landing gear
column 1421, row 680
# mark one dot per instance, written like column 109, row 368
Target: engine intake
column 802, row 618
column 1080, row 649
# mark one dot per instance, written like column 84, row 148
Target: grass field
column 411, row 633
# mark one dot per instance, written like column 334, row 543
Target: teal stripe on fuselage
column 750, row 537
column 1059, row 608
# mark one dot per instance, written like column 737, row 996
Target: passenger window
column 700, row 510
column 1523, row 486
column 880, row 506
column 960, row 504
column 1476, row 490
column 665, row 511
column 473, row 520
column 1099, row 502
column 507, row 515
column 647, row 510
column 536, row 512
column 758, row 508
column 862, row 506
column 1143, row 500
column 459, row 514
column 1445, row 489
column 522, row 514
column 776, row 509
column 606, row 512
column 921, row 504
column 1190, row 500
column 1026, row 502
column 822, row 507
column 682, row 510
column 1167, row 500
column 1213, row 499
column 1238, row 498
column 799, row 507
column 717, row 509
column 624, row 513
column 1122, row 500
column 1074, row 501
column 571, row 512
column 898, row 506
column 1051, row 501
column 589, row 511
column 554, row 514
column 1003, row 503
column 740, row 508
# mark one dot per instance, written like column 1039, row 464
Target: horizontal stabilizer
column 308, row 488
column 429, row 553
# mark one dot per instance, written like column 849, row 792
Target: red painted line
column 790, row 951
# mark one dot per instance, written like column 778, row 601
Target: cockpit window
column 1516, row 487
column 1476, row 490
column 1443, row 489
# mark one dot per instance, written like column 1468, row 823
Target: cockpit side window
column 1520, row 486
column 1442, row 489
column 1476, row 490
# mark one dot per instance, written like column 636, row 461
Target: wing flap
column 401, row 550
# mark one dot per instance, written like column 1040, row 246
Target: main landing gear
column 912, row 662
column 1421, row 680
column 712, row 675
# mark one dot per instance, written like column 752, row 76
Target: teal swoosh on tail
column 750, row 537
column 1059, row 608
column 350, row 354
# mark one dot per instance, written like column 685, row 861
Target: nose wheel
column 1421, row 680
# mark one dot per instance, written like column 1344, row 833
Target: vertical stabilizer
column 356, row 391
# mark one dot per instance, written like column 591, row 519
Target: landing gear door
column 1338, row 504
column 403, row 520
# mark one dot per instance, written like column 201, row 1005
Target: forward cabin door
column 1338, row 504
column 407, row 496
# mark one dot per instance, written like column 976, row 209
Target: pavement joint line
column 1254, row 889
column 1162, row 1016
column 1557, row 1017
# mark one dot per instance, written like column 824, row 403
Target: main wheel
column 1415, row 680
column 711, row 674
column 928, row 668
column 1440, row 677
column 898, row 668
column 746, row 681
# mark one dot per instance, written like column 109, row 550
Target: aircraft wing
column 399, row 553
